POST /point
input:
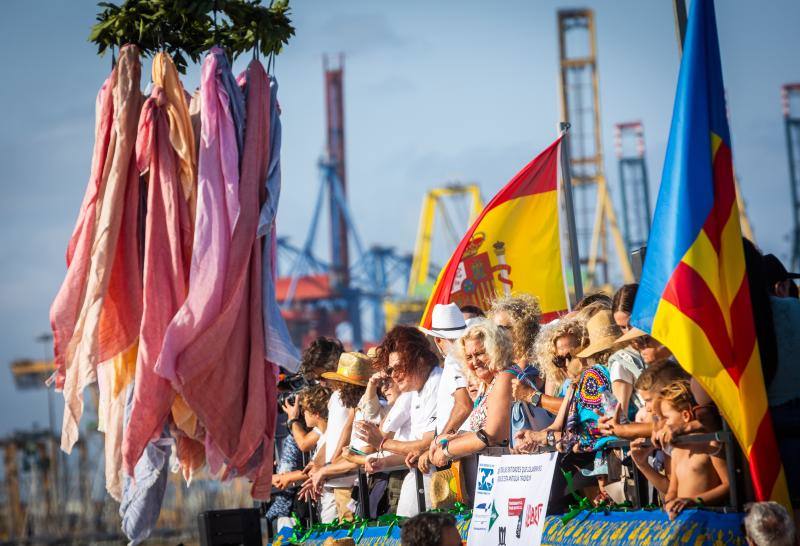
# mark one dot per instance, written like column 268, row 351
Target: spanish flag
column 694, row 296
column 513, row 246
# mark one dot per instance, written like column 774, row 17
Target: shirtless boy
column 699, row 475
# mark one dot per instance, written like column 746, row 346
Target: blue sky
column 435, row 91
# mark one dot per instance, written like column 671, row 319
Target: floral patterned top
column 477, row 419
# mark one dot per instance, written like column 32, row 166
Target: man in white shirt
column 453, row 404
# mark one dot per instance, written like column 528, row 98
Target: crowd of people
column 608, row 398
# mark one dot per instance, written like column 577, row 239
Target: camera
column 289, row 387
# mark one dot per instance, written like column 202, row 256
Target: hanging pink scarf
column 97, row 311
column 167, row 250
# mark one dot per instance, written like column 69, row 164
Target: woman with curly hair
column 555, row 346
column 519, row 315
column 488, row 354
column 575, row 427
column 406, row 357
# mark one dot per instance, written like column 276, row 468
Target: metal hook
column 255, row 44
column 216, row 28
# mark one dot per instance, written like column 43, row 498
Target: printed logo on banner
column 533, row 515
column 484, row 516
column 485, row 478
column 516, row 509
column 501, row 536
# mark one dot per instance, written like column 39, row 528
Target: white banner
column 511, row 496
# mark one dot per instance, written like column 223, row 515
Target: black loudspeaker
column 241, row 527
column 637, row 262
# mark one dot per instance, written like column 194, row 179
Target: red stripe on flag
column 724, row 195
column 742, row 326
column 688, row 292
column 535, row 177
column 765, row 462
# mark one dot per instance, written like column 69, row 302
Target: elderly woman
column 487, row 353
column 519, row 315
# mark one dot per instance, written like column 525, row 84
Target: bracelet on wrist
column 446, row 451
column 380, row 446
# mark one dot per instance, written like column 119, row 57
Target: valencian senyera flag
column 512, row 247
column 694, row 296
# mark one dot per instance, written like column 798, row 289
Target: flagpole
column 566, row 175
column 679, row 7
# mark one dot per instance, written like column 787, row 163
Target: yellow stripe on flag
column 691, row 348
column 528, row 227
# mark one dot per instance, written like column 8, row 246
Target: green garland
column 584, row 505
column 358, row 526
column 187, row 28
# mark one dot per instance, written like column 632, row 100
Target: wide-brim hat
column 631, row 334
column 603, row 334
column 447, row 321
column 353, row 368
column 775, row 271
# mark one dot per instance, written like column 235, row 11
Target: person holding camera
column 319, row 357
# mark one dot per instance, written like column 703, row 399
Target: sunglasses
column 560, row 361
column 391, row 371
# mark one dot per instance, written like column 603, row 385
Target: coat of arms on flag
column 476, row 276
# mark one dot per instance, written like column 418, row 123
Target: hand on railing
column 641, row 448
column 374, row 464
column 529, row 441
column 424, row 462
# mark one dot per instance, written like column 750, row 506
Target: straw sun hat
column 353, row 368
column 603, row 334
column 631, row 334
column 446, row 487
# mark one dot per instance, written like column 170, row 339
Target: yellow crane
column 420, row 282
column 421, row 279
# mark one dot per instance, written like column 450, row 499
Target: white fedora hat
column 447, row 321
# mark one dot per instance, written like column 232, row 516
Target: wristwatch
column 551, row 438
column 483, row 437
column 290, row 422
column 536, row 398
